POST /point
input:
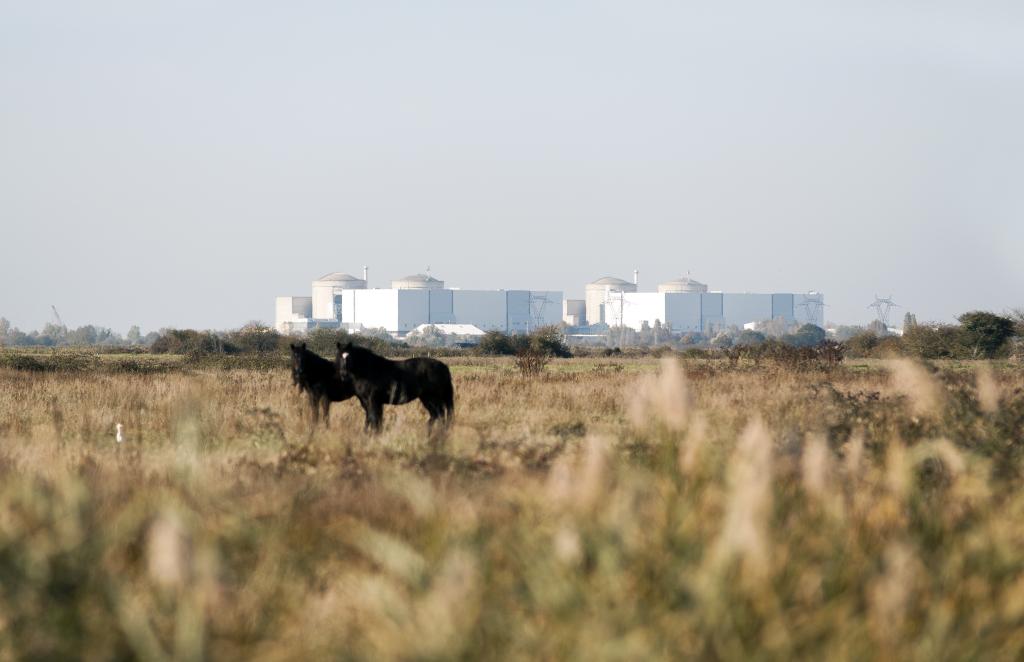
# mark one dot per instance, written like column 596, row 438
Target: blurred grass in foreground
column 609, row 509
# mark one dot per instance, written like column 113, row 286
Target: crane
column 56, row 316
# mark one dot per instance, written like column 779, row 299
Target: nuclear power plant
column 343, row 301
column 682, row 305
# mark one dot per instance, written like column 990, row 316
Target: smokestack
column 365, row 272
column 636, row 276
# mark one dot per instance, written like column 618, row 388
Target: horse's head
column 343, row 359
column 298, row 350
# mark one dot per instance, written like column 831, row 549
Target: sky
column 180, row 164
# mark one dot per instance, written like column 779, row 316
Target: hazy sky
column 182, row 163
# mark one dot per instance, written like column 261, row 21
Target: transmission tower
column 883, row 307
column 538, row 303
column 812, row 305
column 619, row 298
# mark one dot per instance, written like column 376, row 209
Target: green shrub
column 983, row 334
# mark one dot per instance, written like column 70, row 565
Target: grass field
column 606, row 509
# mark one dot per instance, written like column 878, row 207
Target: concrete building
column 684, row 284
column 418, row 282
column 328, row 291
column 687, row 306
column 598, row 292
column 292, row 313
column 703, row 312
column 343, row 300
column 574, row 312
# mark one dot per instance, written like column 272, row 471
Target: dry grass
column 603, row 509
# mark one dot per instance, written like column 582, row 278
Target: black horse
column 379, row 381
column 320, row 380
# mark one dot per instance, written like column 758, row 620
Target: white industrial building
column 687, row 306
column 343, row 301
column 340, row 300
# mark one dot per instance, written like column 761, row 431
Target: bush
column 932, row 341
column 324, row 342
column 748, row 337
column 187, row 341
column 496, row 343
column 862, row 345
column 984, row 334
column 531, row 362
column 255, row 338
column 808, row 335
column 548, row 340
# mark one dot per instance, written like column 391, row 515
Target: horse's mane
column 367, row 358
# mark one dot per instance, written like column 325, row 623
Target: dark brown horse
column 379, row 381
column 319, row 379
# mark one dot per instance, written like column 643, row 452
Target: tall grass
column 602, row 509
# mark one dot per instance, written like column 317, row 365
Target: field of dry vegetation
column 603, row 509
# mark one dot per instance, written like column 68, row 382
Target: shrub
column 932, row 341
column 255, row 337
column 862, row 345
column 531, row 362
column 984, row 334
column 496, row 343
column 808, row 335
column 187, row 341
column 324, row 342
column 748, row 337
column 549, row 341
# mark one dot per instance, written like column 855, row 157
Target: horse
column 320, row 380
column 379, row 381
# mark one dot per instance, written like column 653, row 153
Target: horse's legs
column 375, row 416
column 315, row 406
column 326, row 402
column 432, row 410
column 374, row 412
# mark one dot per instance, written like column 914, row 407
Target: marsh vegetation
column 604, row 508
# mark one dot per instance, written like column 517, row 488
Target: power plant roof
column 611, row 280
column 419, row 278
column 338, row 277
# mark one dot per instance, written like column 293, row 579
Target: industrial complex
column 683, row 305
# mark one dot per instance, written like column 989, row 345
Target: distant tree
column 496, row 343
column 5, row 327
column 878, row 328
column 430, row 336
column 549, row 340
column 862, row 344
column 844, row 333
column 52, row 334
column 254, row 337
column 722, row 341
column 83, row 335
column 776, row 328
column 807, row 335
column 1017, row 315
column 933, row 341
column 984, row 334
column 749, row 338
column 187, row 341
column 134, row 335
column 909, row 320
column 692, row 339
